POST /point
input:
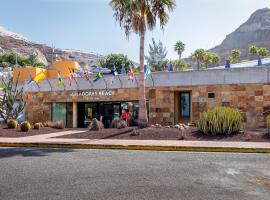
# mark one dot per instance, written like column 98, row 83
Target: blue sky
column 89, row 24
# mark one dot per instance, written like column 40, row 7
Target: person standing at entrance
column 126, row 116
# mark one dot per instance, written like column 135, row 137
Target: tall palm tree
column 179, row 47
column 138, row 16
column 253, row 50
column 263, row 52
column 235, row 54
column 198, row 56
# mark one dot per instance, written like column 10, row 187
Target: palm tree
column 215, row 58
column 207, row 59
column 235, row 54
column 263, row 52
column 253, row 50
column 138, row 16
column 179, row 47
column 198, row 56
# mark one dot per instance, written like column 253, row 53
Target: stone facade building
column 172, row 97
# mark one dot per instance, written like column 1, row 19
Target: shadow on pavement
column 30, row 152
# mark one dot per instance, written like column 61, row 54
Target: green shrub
column 11, row 124
column 25, row 126
column 220, row 120
column 268, row 124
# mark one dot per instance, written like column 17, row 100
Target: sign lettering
column 93, row 93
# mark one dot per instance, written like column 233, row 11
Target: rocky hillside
column 14, row 42
column 256, row 30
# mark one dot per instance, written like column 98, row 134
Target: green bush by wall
column 220, row 121
column 268, row 124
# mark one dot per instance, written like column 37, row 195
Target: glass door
column 59, row 112
column 185, row 105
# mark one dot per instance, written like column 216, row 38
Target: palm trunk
column 180, row 55
column 143, row 119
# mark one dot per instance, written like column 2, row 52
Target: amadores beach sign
column 92, row 93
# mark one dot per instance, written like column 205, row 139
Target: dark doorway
column 107, row 111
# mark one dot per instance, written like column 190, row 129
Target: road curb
column 139, row 147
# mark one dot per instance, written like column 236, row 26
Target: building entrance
column 106, row 111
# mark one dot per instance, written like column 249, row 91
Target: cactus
column 220, row 120
column 11, row 124
column 25, row 126
column 268, row 124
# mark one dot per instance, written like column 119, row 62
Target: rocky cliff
column 14, row 42
column 256, row 30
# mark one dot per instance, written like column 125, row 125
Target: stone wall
column 253, row 101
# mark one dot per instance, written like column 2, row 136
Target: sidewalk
column 47, row 140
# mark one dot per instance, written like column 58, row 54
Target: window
column 185, row 105
column 59, row 112
column 211, row 95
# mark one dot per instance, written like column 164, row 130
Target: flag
column 131, row 74
column 79, row 73
column 147, row 71
column 115, row 73
column 31, row 79
column 98, row 76
column 59, row 80
column 39, row 77
column 123, row 70
column 86, row 75
column 70, row 77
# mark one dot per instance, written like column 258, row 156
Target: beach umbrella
column 198, row 65
column 170, row 67
column 259, row 62
column 227, row 64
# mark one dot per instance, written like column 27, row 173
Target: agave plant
column 220, row 120
column 12, row 102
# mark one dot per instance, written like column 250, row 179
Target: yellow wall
column 23, row 74
column 63, row 66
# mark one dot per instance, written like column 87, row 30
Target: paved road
column 27, row 173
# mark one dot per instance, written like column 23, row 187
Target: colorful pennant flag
column 70, row 78
column 98, row 76
column 86, row 75
column 59, row 80
column 31, row 79
column 79, row 73
column 115, row 73
column 39, row 77
column 131, row 74
column 123, row 70
column 147, row 71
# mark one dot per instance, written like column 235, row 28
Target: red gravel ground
column 109, row 133
column 14, row 133
column 169, row 134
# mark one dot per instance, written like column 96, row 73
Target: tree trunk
column 180, row 55
column 143, row 119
